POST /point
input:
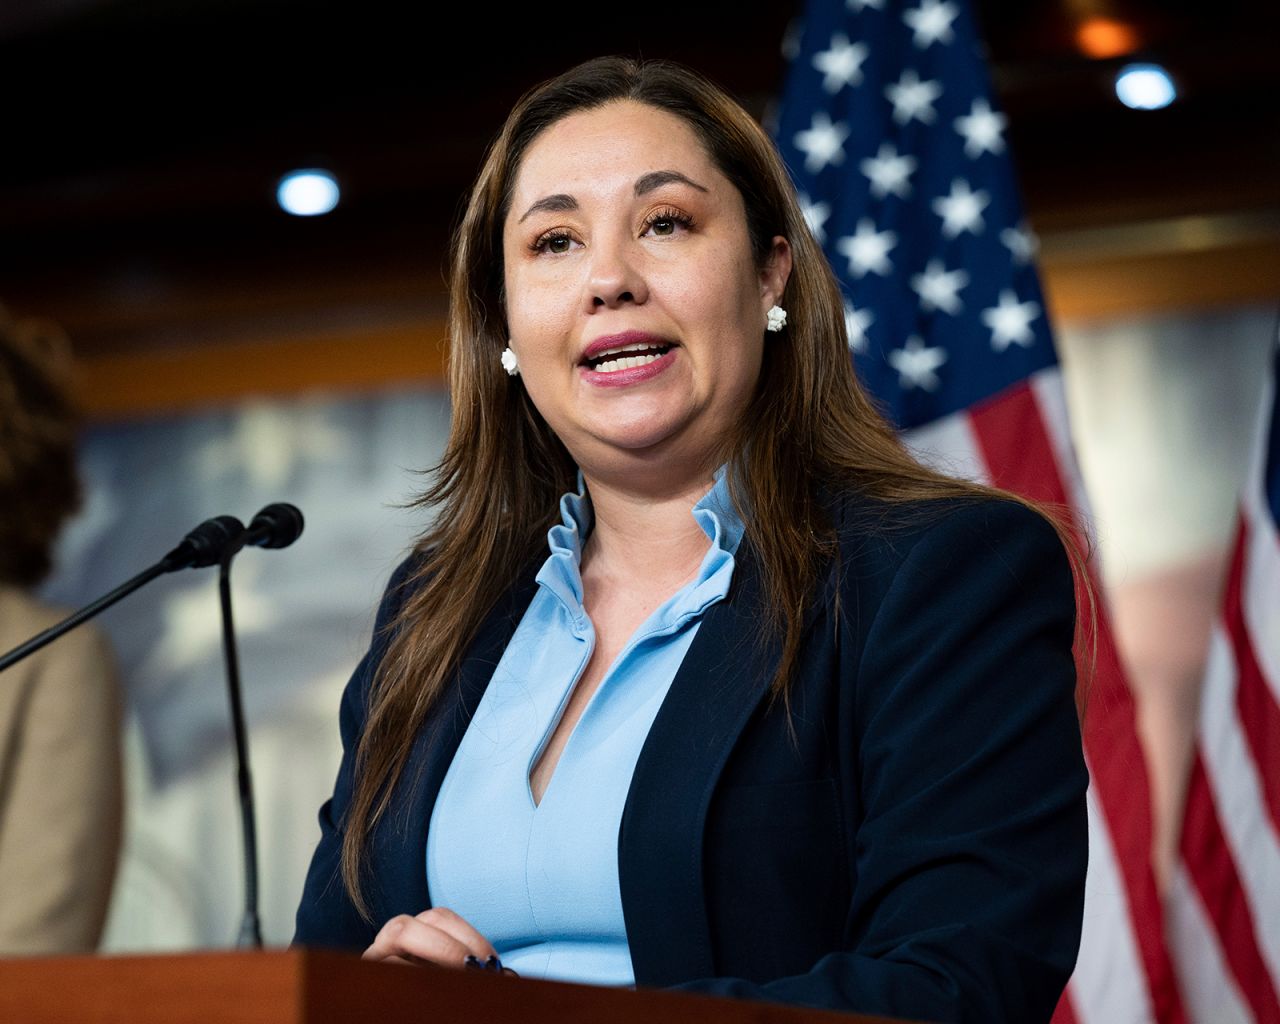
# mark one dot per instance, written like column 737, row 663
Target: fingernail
column 472, row 963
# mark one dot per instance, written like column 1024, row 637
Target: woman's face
column 634, row 304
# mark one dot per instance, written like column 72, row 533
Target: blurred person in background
column 60, row 769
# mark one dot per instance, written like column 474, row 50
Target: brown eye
column 557, row 243
column 665, row 223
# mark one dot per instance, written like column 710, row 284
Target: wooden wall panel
column 129, row 385
column 1161, row 282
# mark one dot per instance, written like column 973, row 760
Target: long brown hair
column 496, row 489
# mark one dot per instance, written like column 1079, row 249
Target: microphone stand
column 250, row 936
column 275, row 526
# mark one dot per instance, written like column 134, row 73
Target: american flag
column 898, row 151
column 1225, row 900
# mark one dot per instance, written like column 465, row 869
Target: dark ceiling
column 142, row 140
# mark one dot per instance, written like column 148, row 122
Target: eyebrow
column 655, row 179
column 562, row 202
column 558, row 203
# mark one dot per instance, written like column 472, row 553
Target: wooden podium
column 312, row 987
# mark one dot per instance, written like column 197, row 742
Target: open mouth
column 627, row 357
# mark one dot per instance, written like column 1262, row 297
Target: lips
column 630, row 357
column 627, row 350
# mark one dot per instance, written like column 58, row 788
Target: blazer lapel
column 435, row 747
column 722, row 680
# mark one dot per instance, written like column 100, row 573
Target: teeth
column 638, row 346
column 626, row 363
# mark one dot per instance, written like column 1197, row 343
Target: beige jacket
column 60, row 784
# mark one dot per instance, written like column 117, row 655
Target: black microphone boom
column 202, row 546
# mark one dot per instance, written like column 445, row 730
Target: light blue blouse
column 540, row 881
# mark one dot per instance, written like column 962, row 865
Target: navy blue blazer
column 909, row 840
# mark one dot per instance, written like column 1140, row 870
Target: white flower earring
column 509, row 362
column 777, row 317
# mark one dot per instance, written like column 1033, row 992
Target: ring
column 492, row 965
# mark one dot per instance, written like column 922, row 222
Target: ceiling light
column 1145, row 87
column 308, row 193
column 1104, row 38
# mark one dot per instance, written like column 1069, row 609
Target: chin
column 649, row 448
column 644, row 425
column 640, row 441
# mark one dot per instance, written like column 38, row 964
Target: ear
column 775, row 273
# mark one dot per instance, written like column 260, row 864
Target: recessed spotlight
column 307, row 193
column 1106, row 38
column 1145, row 87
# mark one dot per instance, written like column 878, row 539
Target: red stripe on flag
column 1213, row 872
column 1065, row 1012
column 1016, row 445
column 1019, row 455
column 1259, row 713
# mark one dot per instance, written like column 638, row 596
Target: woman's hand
column 436, row 936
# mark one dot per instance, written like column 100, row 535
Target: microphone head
column 203, row 545
column 276, row 526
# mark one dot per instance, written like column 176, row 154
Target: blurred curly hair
column 39, row 487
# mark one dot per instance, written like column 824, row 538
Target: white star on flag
column 867, row 249
column 931, row 22
column 856, row 322
column 1010, row 321
column 842, row 64
column 822, row 142
column 939, row 288
column 917, row 364
column 815, row 215
column 912, row 98
column 1021, row 243
column 888, row 172
column 961, row 210
column 982, row 129
column 858, row 6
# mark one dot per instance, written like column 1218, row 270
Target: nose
column 615, row 280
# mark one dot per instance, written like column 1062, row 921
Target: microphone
column 276, row 526
column 202, row 546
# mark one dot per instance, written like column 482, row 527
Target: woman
column 814, row 742
column 60, row 771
